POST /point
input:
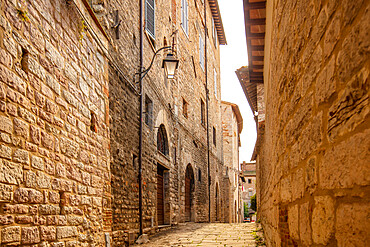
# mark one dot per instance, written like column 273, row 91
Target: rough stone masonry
column 69, row 122
column 54, row 168
column 313, row 165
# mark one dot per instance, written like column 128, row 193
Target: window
column 201, row 50
column 214, row 32
column 215, row 81
column 184, row 108
column 249, row 181
column 148, row 111
column 150, row 17
column 214, row 136
column 199, row 175
column 162, row 142
column 184, row 16
column 202, row 112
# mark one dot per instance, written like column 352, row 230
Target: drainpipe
column 207, row 95
column 141, row 122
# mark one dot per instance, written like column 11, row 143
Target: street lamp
column 170, row 64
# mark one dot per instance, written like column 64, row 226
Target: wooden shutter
column 150, row 17
column 201, row 51
column 184, row 16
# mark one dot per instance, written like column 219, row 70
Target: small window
column 214, row 32
column 184, row 16
column 184, row 108
column 215, row 81
column 134, row 160
column 201, row 51
column 162, row 142
column 214, row 136
column 150, row 18
column 199, row 175
column 249, row 181
column 202, row 112
column 148, row 111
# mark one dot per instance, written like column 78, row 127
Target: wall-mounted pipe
column 141, row 122
column 207, row 98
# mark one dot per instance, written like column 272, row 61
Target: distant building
column 232, row 126
column 248, row 188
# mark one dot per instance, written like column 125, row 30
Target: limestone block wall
column 313, row 168
column 54, row 135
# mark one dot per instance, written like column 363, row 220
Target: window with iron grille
column 150, row 17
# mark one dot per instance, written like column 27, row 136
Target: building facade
column 248, row 172
column 72, row 153
column 311, row 59
column 232, row 126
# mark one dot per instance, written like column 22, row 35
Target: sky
column 233, row 56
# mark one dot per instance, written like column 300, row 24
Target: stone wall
column 54, row 127
column 230, row 134
column 186, row 135
column 313, row 166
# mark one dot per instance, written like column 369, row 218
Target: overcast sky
column 233, row 56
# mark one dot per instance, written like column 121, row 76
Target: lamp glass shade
column 170, row 65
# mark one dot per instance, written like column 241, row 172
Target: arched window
column 162, row 143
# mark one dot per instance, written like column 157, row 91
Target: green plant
column 254, row 203
column 82, row 30
column 23, row 14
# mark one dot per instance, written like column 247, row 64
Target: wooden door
column 187, row 197
column 160, row 197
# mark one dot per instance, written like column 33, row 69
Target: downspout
column 207, row 95
column 141, row 122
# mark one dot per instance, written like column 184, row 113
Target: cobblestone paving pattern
column 205, row 234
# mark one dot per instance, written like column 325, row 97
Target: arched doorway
column 189, row 188
column 216, row 203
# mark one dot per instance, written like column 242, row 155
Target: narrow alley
column 205, row 234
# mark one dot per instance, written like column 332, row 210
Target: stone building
column 54, row 125
column 232, row 126
column 248, row 172
column 311, row 58
column 70, row 120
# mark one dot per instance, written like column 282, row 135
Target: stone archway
column 189, row 193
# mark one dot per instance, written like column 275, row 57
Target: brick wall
column 313, row 167
column 54, row 159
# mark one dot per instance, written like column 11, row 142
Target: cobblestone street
column 204, row 234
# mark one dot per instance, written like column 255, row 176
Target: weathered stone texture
column 314, row 153
column 40, row 64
